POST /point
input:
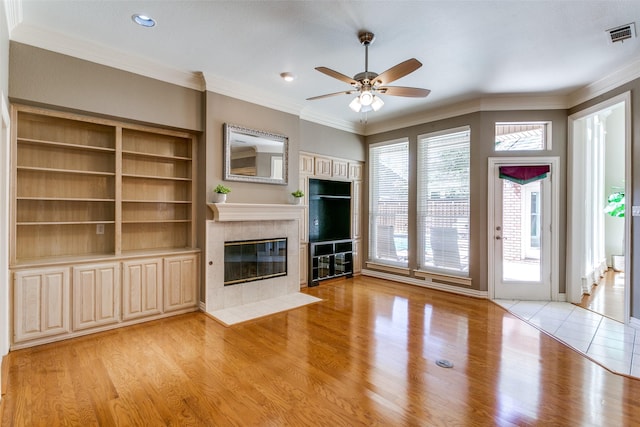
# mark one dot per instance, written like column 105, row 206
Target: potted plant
column 297, row 197
column 615, row 204
column 615, row 208
column 220, row 193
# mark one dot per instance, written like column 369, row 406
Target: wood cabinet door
column 304, row 262
column 323, row 167
column 141, row 288
column 357, row 256
column 40, row 303
column 96, row 295
column 340, row 169
column 306, row 164
column 180, row 282
column 355, row 171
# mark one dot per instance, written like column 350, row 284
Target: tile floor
column 606, row 341
column 242, row 313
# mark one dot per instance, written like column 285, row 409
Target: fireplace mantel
column 225, row 212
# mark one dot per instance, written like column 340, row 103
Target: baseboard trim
column 429, row 285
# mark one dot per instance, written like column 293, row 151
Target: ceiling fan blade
column 344, row 92
column 336, row 75
column 412, row 92
column 397, row 71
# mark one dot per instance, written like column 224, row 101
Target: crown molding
column 100, row 54
column 606, row 84
column 13, row 13
column 272, row 100
column 512, row 102
column 246, row 93
column 310, row 115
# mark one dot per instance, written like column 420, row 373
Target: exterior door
column 521, row 238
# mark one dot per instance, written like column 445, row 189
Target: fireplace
column 242, row 223
column 251, row 260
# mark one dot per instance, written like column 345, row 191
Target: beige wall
column 319, row 139
column 222, row 109
column 44, row 77
column 482, row 141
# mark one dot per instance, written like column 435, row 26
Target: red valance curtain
column 524, row 174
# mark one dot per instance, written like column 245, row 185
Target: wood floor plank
column 364, row 356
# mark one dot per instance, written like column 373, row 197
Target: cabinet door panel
column 41, row 303
column 357, row 256
column 355, row 171
column 306, row 164
column 323, row 166
column 304, row 262
column 141, row 288
column 340, row 169
column 181, row 282
column 96, row 291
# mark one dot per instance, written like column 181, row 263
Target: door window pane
column 520, row 222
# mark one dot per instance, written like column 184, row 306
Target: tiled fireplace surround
column 240, row 221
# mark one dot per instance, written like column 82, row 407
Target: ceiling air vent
column 622, row 33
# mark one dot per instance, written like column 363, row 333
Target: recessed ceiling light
column 143, row 20
column 288, row 77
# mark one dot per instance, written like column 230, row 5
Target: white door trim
column 574, row 286
column 494, row 162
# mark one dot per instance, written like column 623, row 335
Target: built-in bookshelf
column 86, row 187
column 65, row 175
column 102, row 224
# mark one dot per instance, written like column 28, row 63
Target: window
column 524, row 136
column 443, row 201
column 389, row 199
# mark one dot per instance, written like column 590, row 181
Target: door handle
column 498, row 237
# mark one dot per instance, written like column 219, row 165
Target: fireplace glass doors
column 249, row 260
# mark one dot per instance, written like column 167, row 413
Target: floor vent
column 622, row 33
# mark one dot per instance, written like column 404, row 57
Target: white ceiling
column 470, row 49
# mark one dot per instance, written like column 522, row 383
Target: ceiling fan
column 367, row 84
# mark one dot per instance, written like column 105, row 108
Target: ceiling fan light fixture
column 377, row 103
column 366, row 97
column 355, row 105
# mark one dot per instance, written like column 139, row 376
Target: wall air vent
column 622, row 33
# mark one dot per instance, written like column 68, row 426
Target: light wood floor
column 607, row 298
column 365, row 356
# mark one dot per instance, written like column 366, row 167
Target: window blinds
column 389, row 191
column 443, row 201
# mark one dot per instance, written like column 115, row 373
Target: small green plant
column 297, row 193
column 615, row 204
column 222, row 189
